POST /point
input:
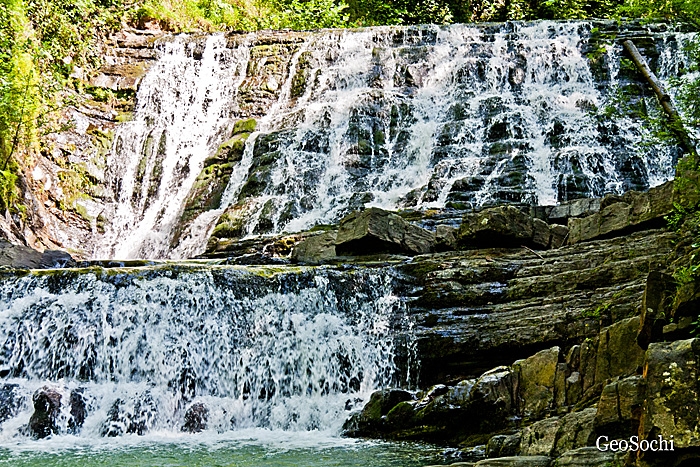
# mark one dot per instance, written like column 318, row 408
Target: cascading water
column 132, row 350
column 183, row 106
column 421, row 117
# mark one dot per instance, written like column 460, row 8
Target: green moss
column 244, row 126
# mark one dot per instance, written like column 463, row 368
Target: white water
column 183, row 108
column 259, row 348
column 390, row 117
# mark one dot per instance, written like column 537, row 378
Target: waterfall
column 458, row 116
column 183, row 106
column 138, row 348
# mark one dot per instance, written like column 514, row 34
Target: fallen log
column 664, row 97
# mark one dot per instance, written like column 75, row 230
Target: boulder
column 556, row 435
column 370, row 421
column 47, row 408
column 502, row 226
column 535, row 376
column 56, row 259
column 445, row 238
column 575, row 430
column 78, row 411
column 503, row 445
column 619, row 214
column 196, row 418
column 538, row 439
column 614, row 341
column 672, row 406
column 316, row 249
column 560, row 234
column 24, row 257
column 375, row 231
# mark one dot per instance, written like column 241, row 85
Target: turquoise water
column 256, row 449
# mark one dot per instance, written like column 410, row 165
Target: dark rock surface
column 47, row 407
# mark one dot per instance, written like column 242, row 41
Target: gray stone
column 560, row 234
column 502, row 226
column 375, row 230
column 539, row 438
column 316, row 249
column 445, row 239
column 504, row 445
column 619, row 214
column 659, row 287
column 575, row 208
column 196, row 418
column 586, row 457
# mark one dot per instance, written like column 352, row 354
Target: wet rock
column 517, row 461
column 620, row 407
column 130, row 416
column 196, row 418
column 619, row 214
column 375, row 230
column 47, row 408
column 589, row 456
column 369, row 422
column 536, row 376
column 315, row 249
column 78, row 411
column 10, row 402
column 658, row 289
column 575, row 208
column 56, row 259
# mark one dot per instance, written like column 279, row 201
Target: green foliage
column 597, row 313
column 678, row 10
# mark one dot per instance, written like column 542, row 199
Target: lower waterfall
column 132, row 351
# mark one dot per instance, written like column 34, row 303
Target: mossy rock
column 244, row 126
column 228, row 227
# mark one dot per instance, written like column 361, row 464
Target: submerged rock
column 78, row 411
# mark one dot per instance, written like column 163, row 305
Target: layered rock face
column 618, row 358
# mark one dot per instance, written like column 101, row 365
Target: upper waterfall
column 395, row 117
